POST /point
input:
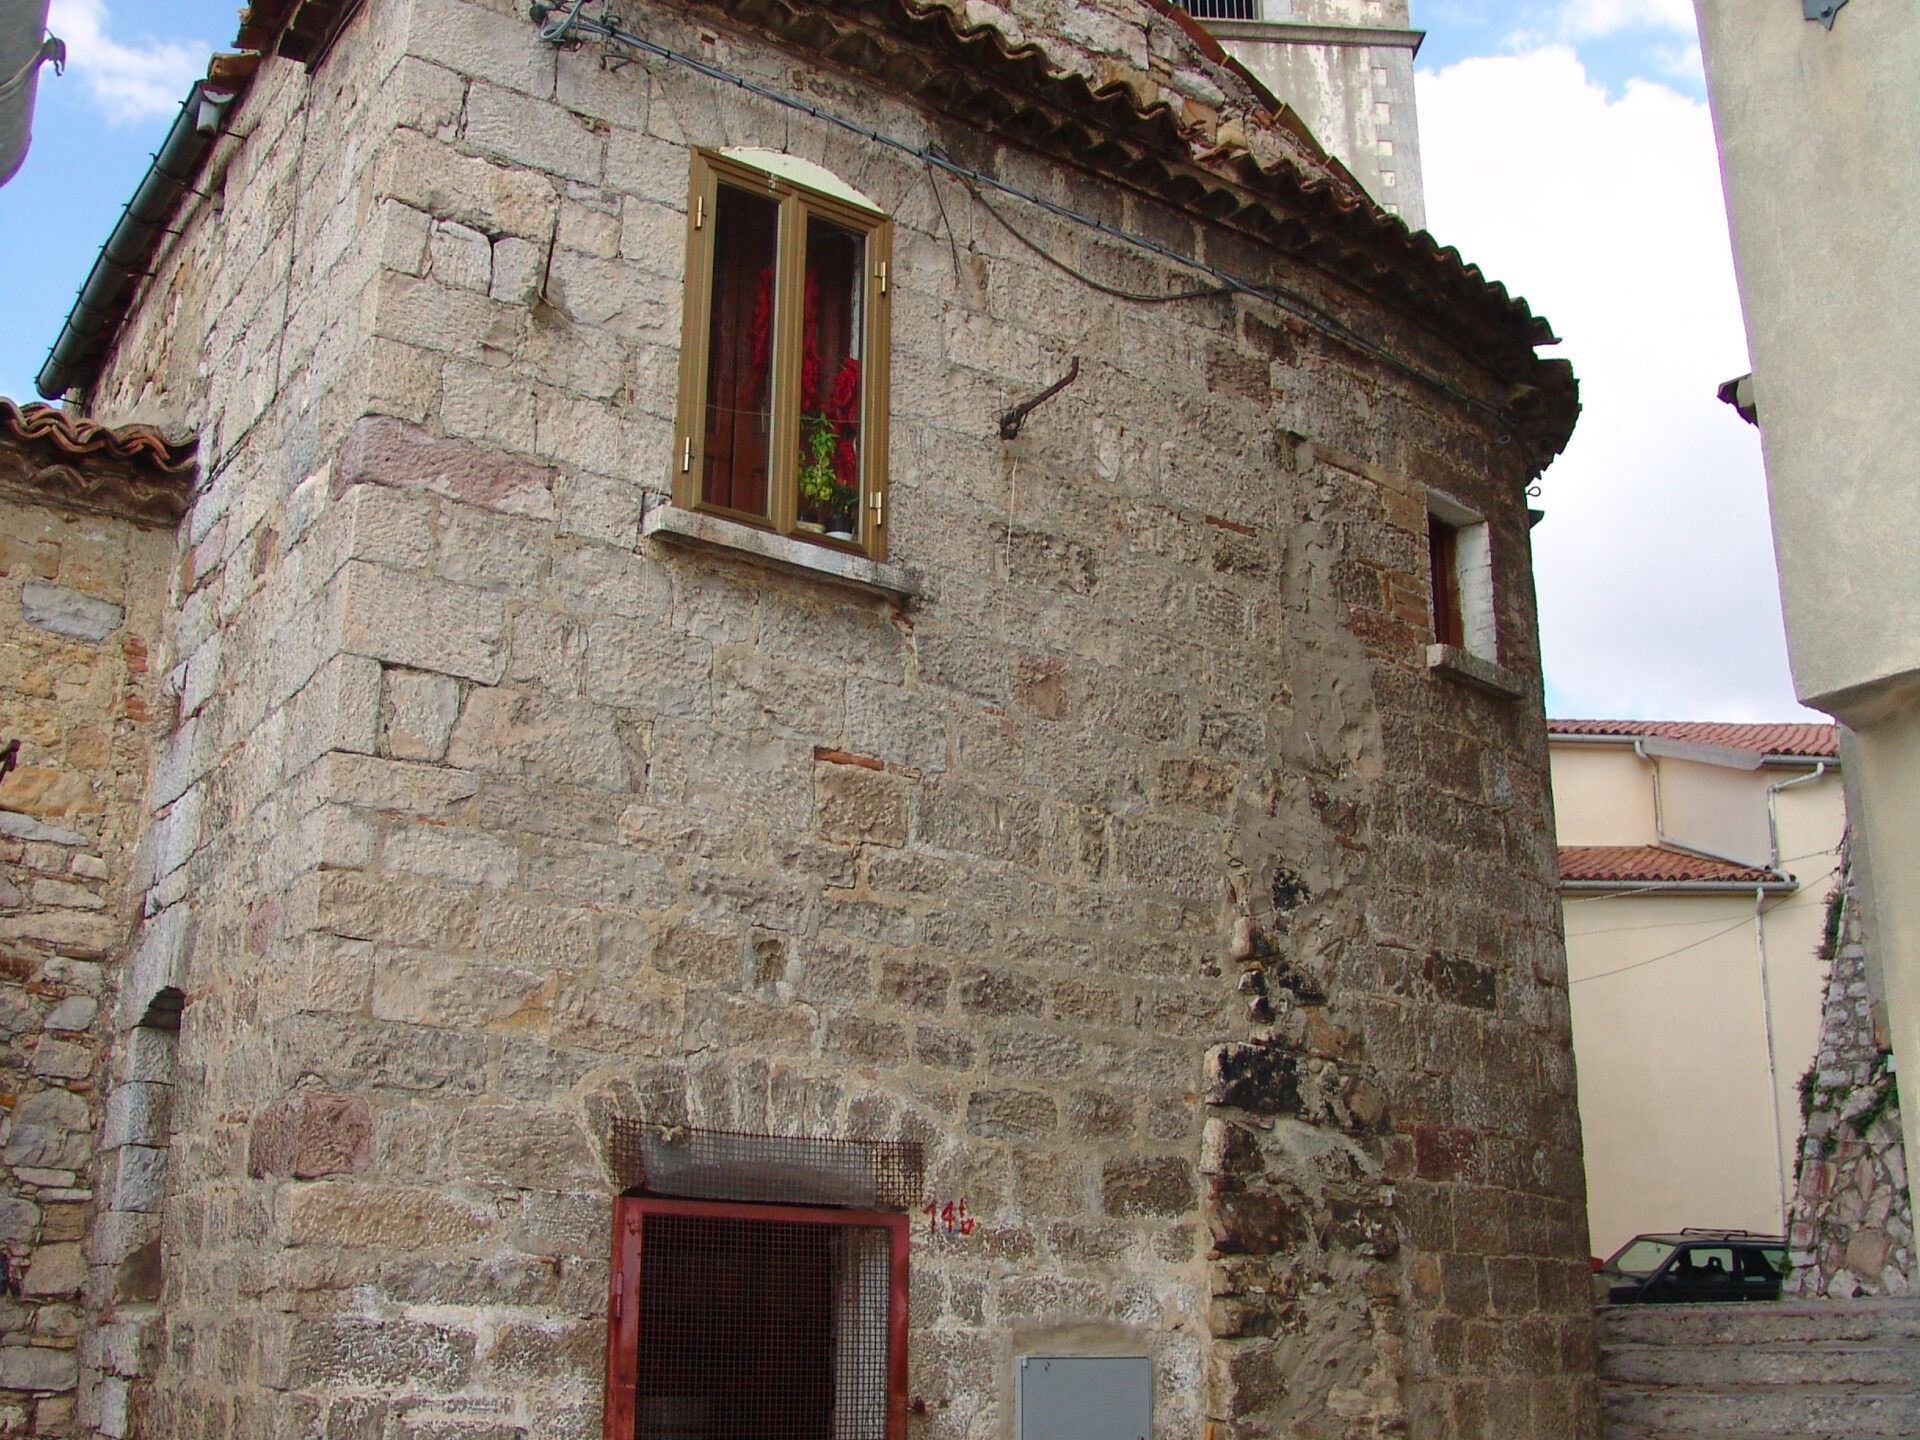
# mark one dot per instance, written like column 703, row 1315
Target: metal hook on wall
column 1011, row 422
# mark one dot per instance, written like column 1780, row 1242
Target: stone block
column 519, row 267
column 436, row 179
column 644, row 666
column 76, row 1012
column 67, row 612
column 384, row 1355
column 359, row 1217
column 138, row 1113
column 532, row 1148
column 55, row 1270
column 422, row 623
column 139, row 1179
column 472, row 39
column 856, row 804
column 36, row 1368
column 384, row 451
column 424, row 989
column 440, row 853
column 1011, row 1114
column 1132, row 1185
column 420, row 711
column 460, row 256
column 309, row 1135
column 60, row 1060
column 535, row 134
column 338, row 709
column 532, row 734
column 1253, row 1077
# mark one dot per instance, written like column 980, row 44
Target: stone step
column 1762, row 1410
column 1880, row 1319
column 1888, row 1365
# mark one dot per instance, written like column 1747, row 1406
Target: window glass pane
column 1641, row 1257
column 740, row 351
column 832, row 379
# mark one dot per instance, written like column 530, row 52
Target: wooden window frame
column 1443, row 569
column 688, row 464
column 623, row 1294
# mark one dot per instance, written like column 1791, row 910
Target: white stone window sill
column 1465, row 665
column 711, row 532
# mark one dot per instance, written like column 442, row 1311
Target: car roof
column 1716, row 1237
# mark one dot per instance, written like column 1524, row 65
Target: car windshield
column 1640, row 1256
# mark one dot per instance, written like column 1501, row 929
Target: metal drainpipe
column 1773, row 1081
column 74, row 360
column 1773, row 819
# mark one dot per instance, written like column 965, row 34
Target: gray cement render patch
column 68, row 612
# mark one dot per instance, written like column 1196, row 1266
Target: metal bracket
column 1821, row 10
column 1011, row 422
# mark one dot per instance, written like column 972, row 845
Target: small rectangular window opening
column 756, row 1322
column 1460, row 567
column 1443, row 551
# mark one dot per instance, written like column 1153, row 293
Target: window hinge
column 879, row 503
column 699, row 211
column 883, row 277
column 686, row 456
column 619, row 1295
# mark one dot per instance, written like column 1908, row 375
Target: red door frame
column 623, row 1297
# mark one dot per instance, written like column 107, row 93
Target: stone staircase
column 1834, row 1369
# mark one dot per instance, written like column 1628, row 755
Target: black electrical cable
column 1138, row 297
column 557, row 29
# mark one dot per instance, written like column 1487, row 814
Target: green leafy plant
column 818, row 435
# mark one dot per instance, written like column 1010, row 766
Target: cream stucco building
column 1815, row 109
column 1696, row 860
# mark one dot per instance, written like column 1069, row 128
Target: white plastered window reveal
column 1473, row 573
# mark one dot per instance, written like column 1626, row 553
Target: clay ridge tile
column 1652, row 865
column 1813, row 741
column 71, row 437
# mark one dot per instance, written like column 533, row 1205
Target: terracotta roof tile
column 1814, row 742
column 48, row 457
column 71, row 436
column 1651, row 865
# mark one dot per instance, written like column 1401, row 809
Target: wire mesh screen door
column 756, row 1322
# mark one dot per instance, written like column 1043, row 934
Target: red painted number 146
column 952, row 1218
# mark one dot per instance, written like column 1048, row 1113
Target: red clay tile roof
column 1651, row 865
column 1815, row 742
column 48, row 457
column 59, row 435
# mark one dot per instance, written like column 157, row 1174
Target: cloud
column 1583, row 19
column 1654, row 566
column 129, row 82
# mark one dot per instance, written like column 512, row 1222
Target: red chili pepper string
column 758, row 334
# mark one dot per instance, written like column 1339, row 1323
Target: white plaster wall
column 1822, row 177
column 1672, row 1054
column 1602, row 795
column 1717, row 809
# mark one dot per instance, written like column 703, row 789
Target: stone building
column 646, row 699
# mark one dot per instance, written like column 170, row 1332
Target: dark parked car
column 1691, row 1268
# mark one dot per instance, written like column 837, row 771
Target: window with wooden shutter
column 783, row 379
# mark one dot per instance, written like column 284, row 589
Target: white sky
column 1658, row 597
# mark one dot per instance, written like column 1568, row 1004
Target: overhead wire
column 1739, row 924
column 557, row 28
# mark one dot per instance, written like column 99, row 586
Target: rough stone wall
column 81, row 598
column 1852, row 1219
column 1141, row 869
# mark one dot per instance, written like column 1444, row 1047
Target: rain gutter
column 102, row 303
